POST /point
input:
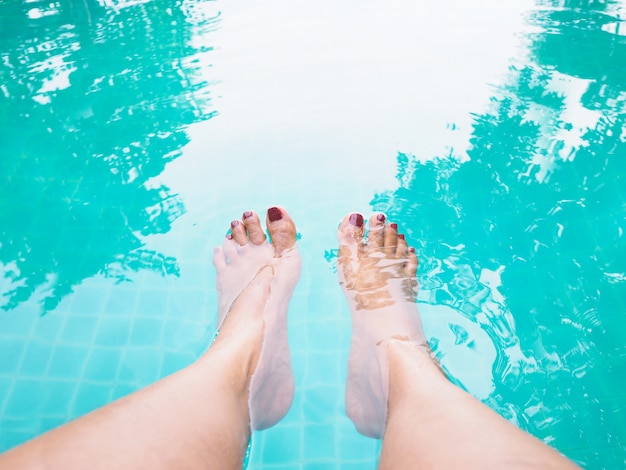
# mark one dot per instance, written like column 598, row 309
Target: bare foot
column 378, row 278
column 244, row 254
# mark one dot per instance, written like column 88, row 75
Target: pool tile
column 292, row 466
column 36, row 358
column 324, row 335
column 102, row 365
column 49, row 326
column 6, row 385
column 10, row 438
column 355, row 446
column 282, row 444
column 320, row 464
column 122, row 301
column 25, row 399
column 11, row 351
column 322, row 368
column 323, row 403
column 146, row 331
column 177, row 333
column 48, row 423
column 21, row 322
column 67, row 361
column 90, row 298
column 121, row 390
column 182, row 303
column 113, row 331
column 357, row 465
column 295, row 414
column 88, row 397
column 323, row 437
column 79, row 329
column 140, row 366
column 152, row 302
column 57, row 396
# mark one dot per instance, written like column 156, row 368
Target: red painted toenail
column 274, row 214
column 229, row 236
column 380, row 218
column 400, row 236
column 356, row 220
column 394, row 226
column 247, row 214
column 412, row 250
column 234, row 223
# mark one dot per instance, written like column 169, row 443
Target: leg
column 199, row 417
column 395, row 391
column 434, row 424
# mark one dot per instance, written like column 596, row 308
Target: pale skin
column 202, row 416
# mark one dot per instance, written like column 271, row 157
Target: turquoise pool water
column 133, row 132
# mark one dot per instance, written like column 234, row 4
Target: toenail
column 229, row 236
column 380, row 217
column 234, row 223
column 394, row 226
column 274, row 214
column 247, row 214
column 356, row 220
column 412, row 250
column 400, row 236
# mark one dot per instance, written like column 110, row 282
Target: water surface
column 133, row 132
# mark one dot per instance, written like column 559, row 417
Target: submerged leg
column 199, row 417
column 240, row 257
column 395, row 390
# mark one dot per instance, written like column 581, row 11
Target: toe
column 219, row 259
column 351, row 230
column 350, row 235
column 229, row 248
column 391, row 239
column 282, row 229
column 253, row 226
column 401, row 248
column 375, row 238
column 238, row 231
column 411, row 263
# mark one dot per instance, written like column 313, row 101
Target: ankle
column 412, row 371
column 237, row 355
column 408, row 353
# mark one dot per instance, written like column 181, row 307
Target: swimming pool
column 133, row 132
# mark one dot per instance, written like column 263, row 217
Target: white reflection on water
column 317, row 91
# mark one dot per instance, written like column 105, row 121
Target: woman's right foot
column 378, row 277
column 247, row 264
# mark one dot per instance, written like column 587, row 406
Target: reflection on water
column 95, row 98
column 540, row 204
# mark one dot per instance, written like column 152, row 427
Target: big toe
column 351, row 229
column 282, row 229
